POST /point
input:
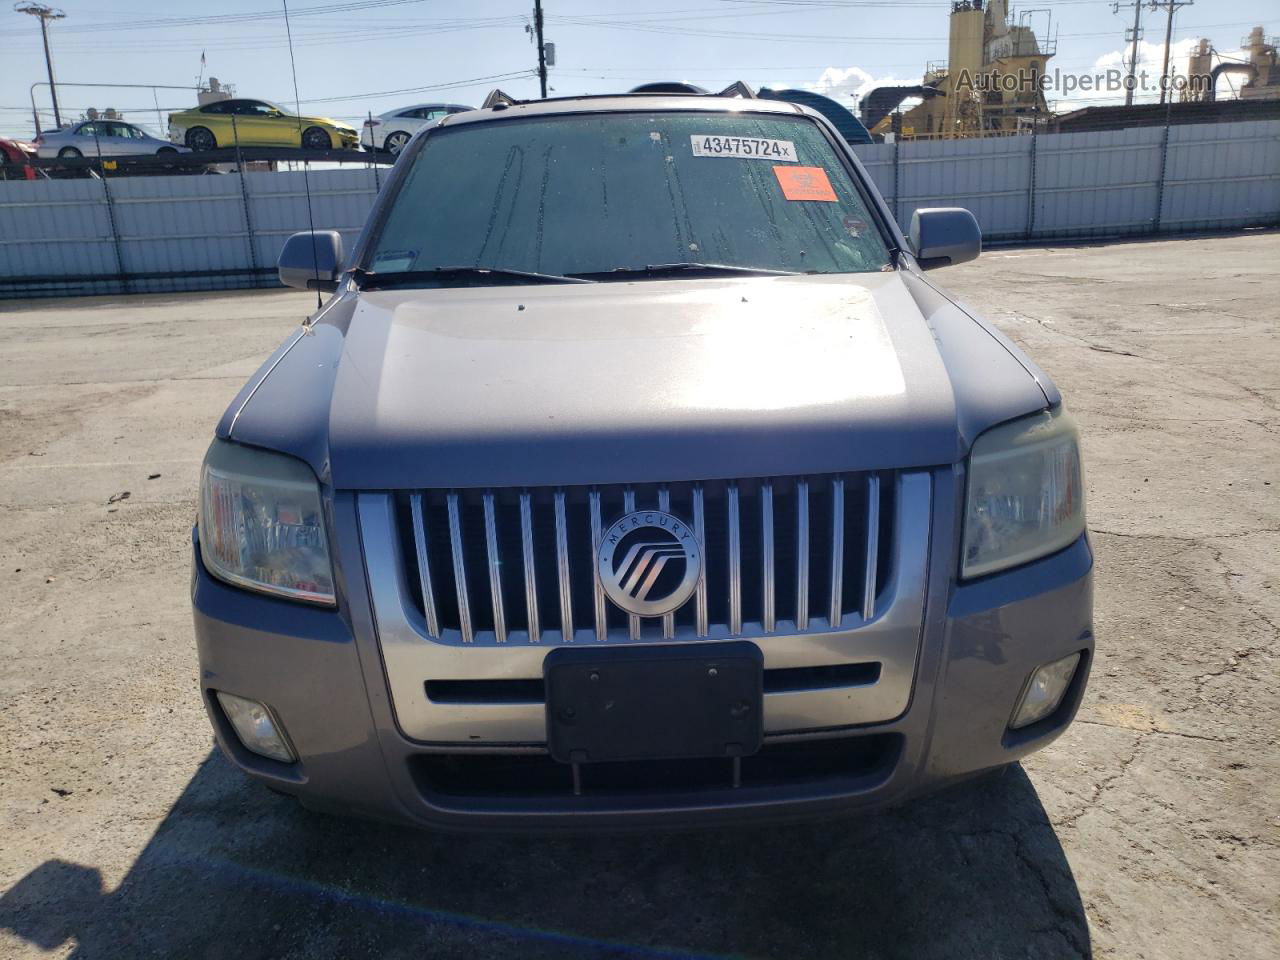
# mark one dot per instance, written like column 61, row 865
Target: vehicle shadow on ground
column 234, row 871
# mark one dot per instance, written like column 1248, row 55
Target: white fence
column 1208, row 176
column 150, row 234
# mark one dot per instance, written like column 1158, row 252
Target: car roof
column 626, row 103
column 419, row 106
column 202, row 106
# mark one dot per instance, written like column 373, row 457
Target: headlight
column 261, row 523
column 1026, row 493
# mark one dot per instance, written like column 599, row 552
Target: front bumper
column 322, row 673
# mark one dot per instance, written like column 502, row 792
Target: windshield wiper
column 371, row 280
column 658, row 269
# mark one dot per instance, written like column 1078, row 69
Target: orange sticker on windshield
column 805, row 183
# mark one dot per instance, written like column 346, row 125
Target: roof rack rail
column 498, row 99
column 738, row 89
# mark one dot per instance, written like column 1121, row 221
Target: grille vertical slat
column 802, row 555
column 420, row 535
column 871, row 564
column 459, row 569
column 779, row 554
column 702, row 627
column 735, row 562
column 837, row 551
column 602, row 626
column 668, row 619
column 767, row 574
column 530, row 575
column 629, row 506
column 495, row 568
column 562, row 567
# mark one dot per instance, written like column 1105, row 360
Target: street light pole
column 45, row 13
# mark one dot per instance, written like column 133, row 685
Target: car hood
column 634, row 382
column 337, row 124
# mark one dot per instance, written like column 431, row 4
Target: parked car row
column 260, row 123
column 257, row 123
column 241, row 122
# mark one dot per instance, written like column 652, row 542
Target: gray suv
column 636, row 473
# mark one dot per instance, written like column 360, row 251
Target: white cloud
column 849, row 85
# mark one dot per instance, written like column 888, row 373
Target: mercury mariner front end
column 542, row 521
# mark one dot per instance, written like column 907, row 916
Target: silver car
column 107, row 138
column 651, row 478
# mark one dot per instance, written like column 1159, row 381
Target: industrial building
column 1199, row 98
column 990, row 85
column 1261, row 70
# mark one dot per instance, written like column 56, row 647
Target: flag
column 202, row 58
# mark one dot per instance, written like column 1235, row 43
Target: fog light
column 1045, row 691
column 256, row 727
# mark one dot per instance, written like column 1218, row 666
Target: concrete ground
column 1151, row 829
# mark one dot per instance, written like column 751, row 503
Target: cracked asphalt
column 1151, row 829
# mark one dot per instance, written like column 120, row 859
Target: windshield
column 595, row 194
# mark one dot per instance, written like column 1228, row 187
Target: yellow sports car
column 257, row 123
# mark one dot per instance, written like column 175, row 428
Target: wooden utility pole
column 1133, row 37
column 45, row 13
column 1172, row 6
column 542, row 47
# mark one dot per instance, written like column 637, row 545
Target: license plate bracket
column 654, row 702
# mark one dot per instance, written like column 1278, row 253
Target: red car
column 15, row 158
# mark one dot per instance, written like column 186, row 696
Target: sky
column 356, row 57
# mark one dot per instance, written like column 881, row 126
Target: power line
column 259, row 42
column 162, row 23
column 447, row 85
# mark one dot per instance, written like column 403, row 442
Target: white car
column 390, row 131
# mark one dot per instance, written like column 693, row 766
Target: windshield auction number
column 705, row 145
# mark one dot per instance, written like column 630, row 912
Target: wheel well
column 192, row 131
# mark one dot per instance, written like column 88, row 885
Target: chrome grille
column 782, row 555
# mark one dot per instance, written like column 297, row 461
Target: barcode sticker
column 752, row 148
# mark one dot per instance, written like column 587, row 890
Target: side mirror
column 943, row 236
column 311, row 261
